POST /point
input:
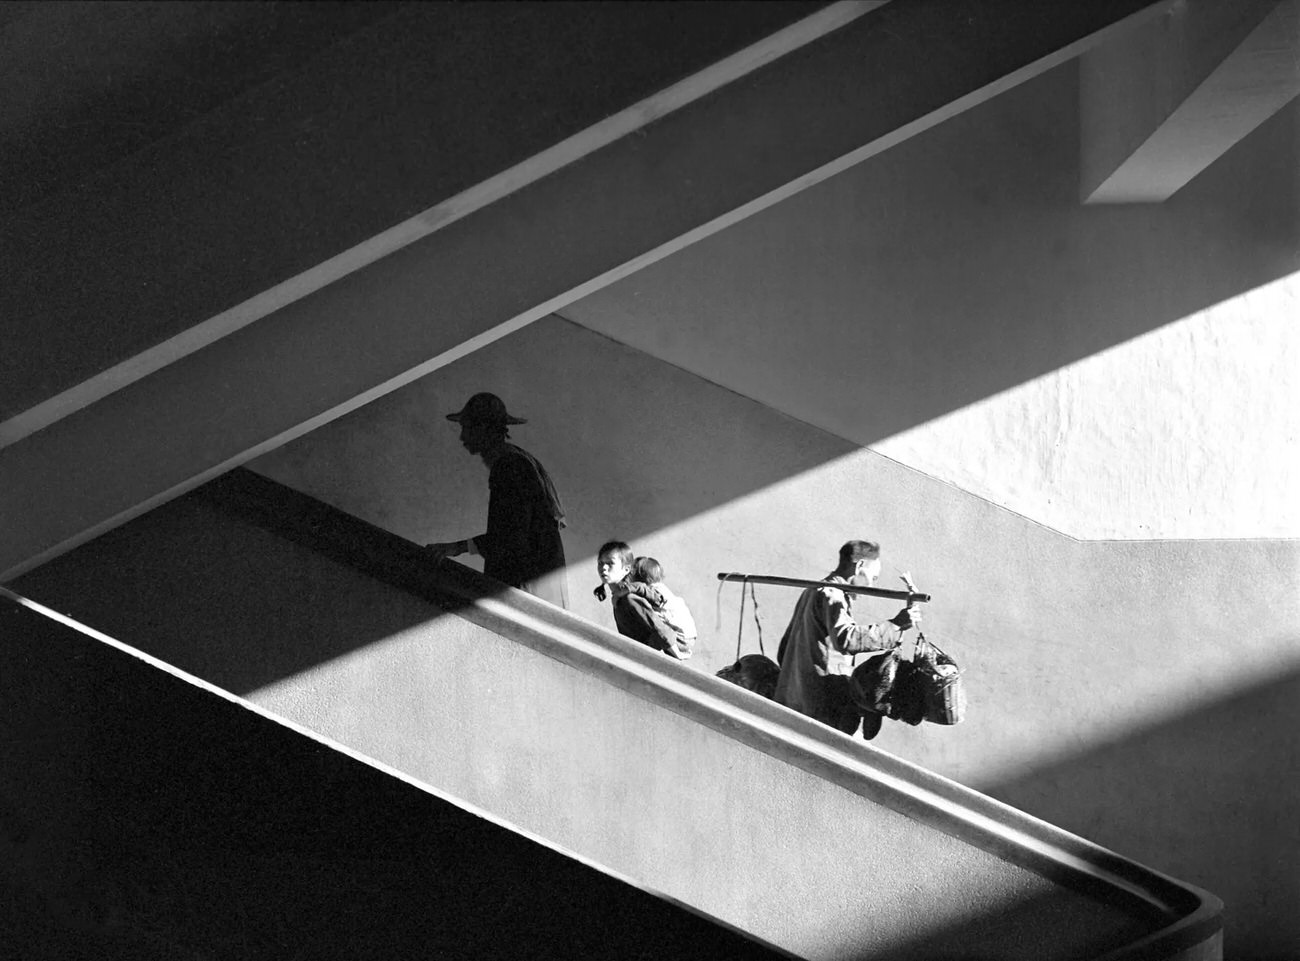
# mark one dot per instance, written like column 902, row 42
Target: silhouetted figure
column 634, row 603
column 816, row 650
column 521, row 546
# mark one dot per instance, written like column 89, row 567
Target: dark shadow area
column 142, row 817
column 1028, row 929
column 1232, row 765
column 425, row 103
column 244, row 582
column 114, row 81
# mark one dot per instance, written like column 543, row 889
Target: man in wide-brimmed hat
column 521, row 546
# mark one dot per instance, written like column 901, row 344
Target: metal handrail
column 910, row 597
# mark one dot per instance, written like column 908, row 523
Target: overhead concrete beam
column 1163, row 102
column 700, row 168
column 423, row 116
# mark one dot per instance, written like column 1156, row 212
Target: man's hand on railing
column 441, row 549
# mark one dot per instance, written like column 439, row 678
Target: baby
column 647, row 571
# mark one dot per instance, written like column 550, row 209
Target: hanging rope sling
column 753, row 672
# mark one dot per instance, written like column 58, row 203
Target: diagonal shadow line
column 1011, row 307
column 838, row 438
column 1209, row 796
column 159, row 819
column 326, row 531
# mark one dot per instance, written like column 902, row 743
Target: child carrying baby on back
column 648, row 571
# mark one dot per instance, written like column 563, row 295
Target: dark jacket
column 816, row 655
column 635, row 616
column 522, row 542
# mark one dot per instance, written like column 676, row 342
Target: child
column 647, row 571
column 634, row 603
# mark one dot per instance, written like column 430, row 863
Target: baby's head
column 647, row 571
column 614, row 562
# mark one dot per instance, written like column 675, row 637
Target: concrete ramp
column 705, row 793
column 147, row 815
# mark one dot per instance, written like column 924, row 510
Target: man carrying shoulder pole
column 817, row 648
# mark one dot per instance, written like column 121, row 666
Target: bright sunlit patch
column 1189, row 431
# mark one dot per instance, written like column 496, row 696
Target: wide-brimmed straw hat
column 484, row 408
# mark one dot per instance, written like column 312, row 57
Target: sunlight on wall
column 1189, row 431
column 1074, row 649
column 1067, row 645
column 1069, row 642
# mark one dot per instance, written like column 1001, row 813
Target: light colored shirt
column 678, row 616
column 676, row 613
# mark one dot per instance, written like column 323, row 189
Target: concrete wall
column 587, row 761
column 1071, row 647
column 1112, row 683
column 1109, row 372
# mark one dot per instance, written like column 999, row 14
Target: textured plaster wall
column 388, row 123
column 1189, row 431
column 1078, row 654
column 1108, row 372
